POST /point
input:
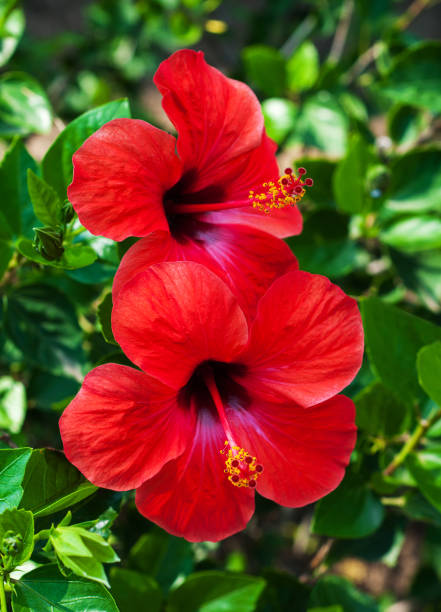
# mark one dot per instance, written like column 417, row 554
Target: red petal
column 173, row 316
column 121, row 174
column 306, row 343
column 191, row 497
column 218, row 119
column 123, row 426
column 304, row 451
column 261, row 166
column 246, row 259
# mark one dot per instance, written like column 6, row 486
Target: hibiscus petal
column 173, row 316
column 246, row 259
column 123, row 426
column 304, row 451
column 191, row 497
column 260, row 167
column 306, row 343
column 218, row 119
column 121, row 173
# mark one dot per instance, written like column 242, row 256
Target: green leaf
column 334, row 590
column 351, row 511
column 13, row 24
column 51, row 483
column 420, row 272
column 104, row 317
column 405, row 123
column 12, row 404
column 46, row 590
column 393, row 338
column 42, row 323
column 74, row 255
column 162, row 556
column 321, row 170
column 24, row 106
column 349, row 178
column 281, row 590
column 57, row 163
column 303, row 67
column 413, row 234
column 46, row 203
column 429, row 370
column 211, row 591
column 16, row 538
column 415, row 77
column 12, row 469
column 132, row 590
column 15, row 205
column 425, row 467
column 265, row 68
column 6, row 252
column 280, row 116
column 415, row 182
column 380, row 412
column 322, row 124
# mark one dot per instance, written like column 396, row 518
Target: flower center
column 288, row 190
column 243, row 469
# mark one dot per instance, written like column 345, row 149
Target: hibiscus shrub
column 188, row 418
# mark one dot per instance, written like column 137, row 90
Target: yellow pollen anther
column 242, row 469
column 285, row 191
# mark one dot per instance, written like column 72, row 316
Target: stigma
column 288, row 190
column 242, row 469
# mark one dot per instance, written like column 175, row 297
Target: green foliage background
column 350, row 89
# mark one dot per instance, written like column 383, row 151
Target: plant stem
column 341, row 33
column 3, row 604
column 423, row 426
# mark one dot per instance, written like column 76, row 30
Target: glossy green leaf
column 415, row 77
column 350, row 189
column 46, row 203
column 429, row 370
column 15, row 204
column 281, row 590
column 321, row 171
column 211, row 591
column 405, row 123
column 420, row 272
column 12, row 404
column 74, row 256
column 265, row 68
column 351, row 511
column 16, row 537
column 323, row 124
column 52, row 484
column 393, row 338
column 12, row 470
column 132, row 590
column 380, row 412
column 303, row 67
column 13, row 24
column 104, row 317
column 280, row 116
column 42, row 323
column 334, row 590
column 57, row 163
column 425, row 467
column 413, row 234
column 415, row 182
column 24, row 106
column 162, row 556
column 46, row 590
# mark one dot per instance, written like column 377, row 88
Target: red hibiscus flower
column 192, row 196
column 263, row 393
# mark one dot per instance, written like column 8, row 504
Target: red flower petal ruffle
column 191, row 496
column 246, row 259
column 173, row 316
column 306, row 343
column 217, row 119
column 304, row 451
column 123, row 426
column 121, row 174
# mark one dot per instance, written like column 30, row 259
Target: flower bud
column 49, row 242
